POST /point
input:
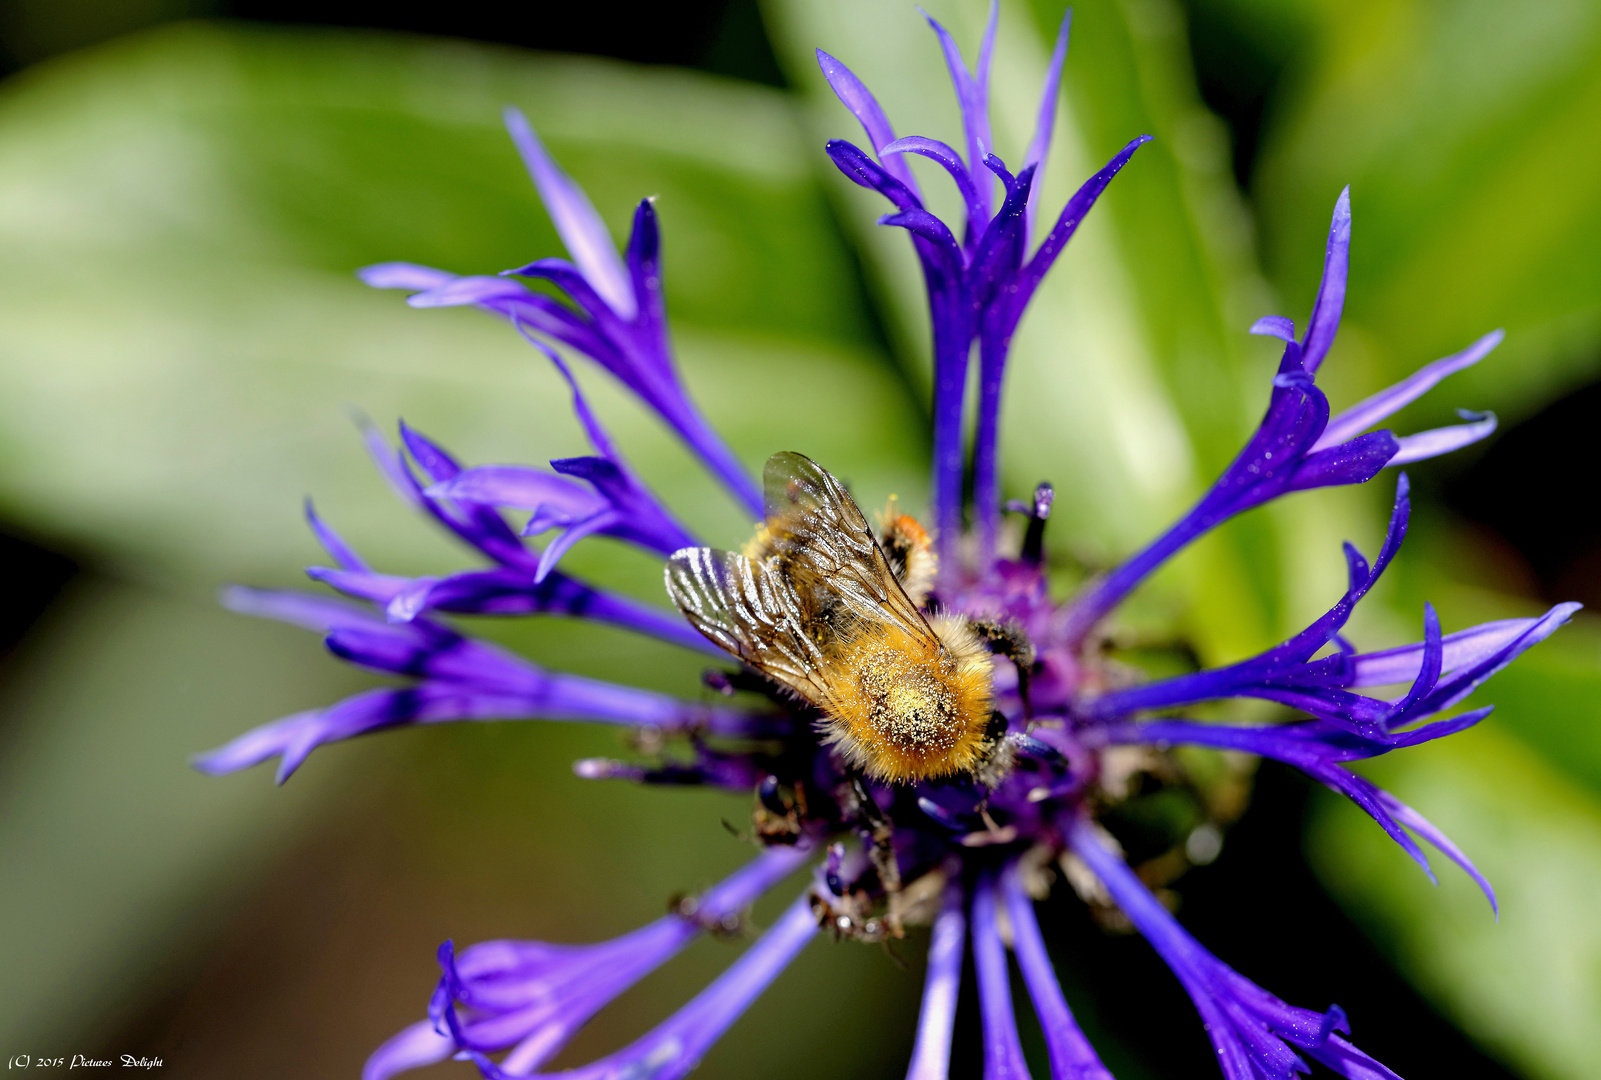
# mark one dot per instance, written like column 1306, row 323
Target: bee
column 816, row 604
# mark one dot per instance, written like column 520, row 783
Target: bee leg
column 881, row 834
column 1007, row 638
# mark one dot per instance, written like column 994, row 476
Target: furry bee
column 816, row 604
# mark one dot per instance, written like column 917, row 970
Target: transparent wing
column 749, row 611
column 824, row 549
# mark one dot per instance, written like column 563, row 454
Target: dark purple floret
column 1003, row 1050
column 979, row 287
column 1075, row 734
column 458, row 679
column 1072, row 1056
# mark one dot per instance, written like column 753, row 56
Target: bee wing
column 825, row 548
column 748, row 610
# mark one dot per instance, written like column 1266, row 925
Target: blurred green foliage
column 1468, row 134
column 181, row 340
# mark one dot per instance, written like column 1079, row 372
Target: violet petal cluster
column 967, row 854
column 980, row 285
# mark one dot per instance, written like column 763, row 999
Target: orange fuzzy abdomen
column 907, row 708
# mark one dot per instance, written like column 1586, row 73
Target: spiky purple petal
column 1003, row 1050
column 1072, row 1056
column 1039, row 147
column 861, row 103
column 972, row 98
column 1330, row 302
column 1369, row 411
column 579, row 227
column 674, row 1047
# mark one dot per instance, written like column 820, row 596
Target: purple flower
column 965, row 849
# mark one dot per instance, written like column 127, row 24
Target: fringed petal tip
column 403, row 275
column 1045, row 119
column 1324, row 322
column 218, row 762
column 1438, row 441
column 579, row 226
column 528, row 998
column 1370, row 411
column 1278, row 326
column 1564, row 612
column 1333, row 1020
column 1463, row 649
column 256, row 746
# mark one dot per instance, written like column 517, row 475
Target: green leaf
column 1528, row 987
